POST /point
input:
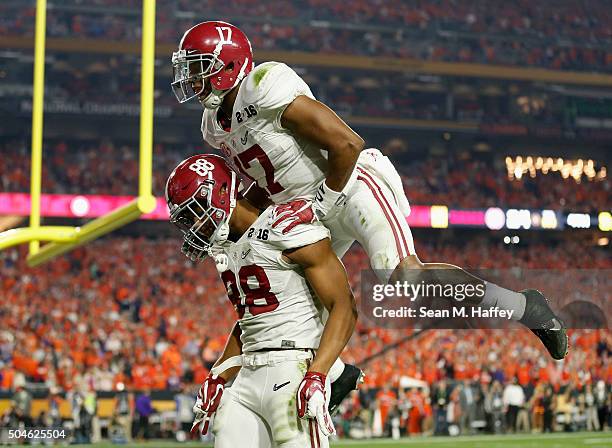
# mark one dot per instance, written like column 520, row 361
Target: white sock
column 504, row 299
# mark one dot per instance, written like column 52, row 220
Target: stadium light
column 549, row 219
column 439, row 216
column 517, row 218
column 578, row 220
column 495, row 218
column 605, row 221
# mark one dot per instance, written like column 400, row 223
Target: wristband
column 326, row 198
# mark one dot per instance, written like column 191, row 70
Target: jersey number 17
column 243, row 162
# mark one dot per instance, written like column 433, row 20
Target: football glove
column 313, row 401
column 292, row 214
column 207, row 402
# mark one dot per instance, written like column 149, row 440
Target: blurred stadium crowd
column 92, row 320
column 558, row 35
column 469, row 182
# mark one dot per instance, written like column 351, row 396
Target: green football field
column 557, row 440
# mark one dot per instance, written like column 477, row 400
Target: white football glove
column 207, row 402
column 313, row 401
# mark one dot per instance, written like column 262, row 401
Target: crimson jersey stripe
column 402, row 246
column 391, row 211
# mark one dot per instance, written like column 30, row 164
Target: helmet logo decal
column 201, row 167
column 222, row 39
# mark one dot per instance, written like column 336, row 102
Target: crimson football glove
column 207, row 402
column 313, row 401
column 294, row 213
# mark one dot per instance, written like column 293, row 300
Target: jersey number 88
column 253, row 297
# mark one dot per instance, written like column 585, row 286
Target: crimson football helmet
column 201, row 194
column 215, row 51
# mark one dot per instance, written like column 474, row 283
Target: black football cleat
column 541, row 319
column 349, row 380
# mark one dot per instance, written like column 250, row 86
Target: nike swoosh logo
column 245, row 253
column 243, row 140
column 556, row 325
column 278, row 386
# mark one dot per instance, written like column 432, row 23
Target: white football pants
column 374, row 215
column 259, row 411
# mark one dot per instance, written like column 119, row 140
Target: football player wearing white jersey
column 280, row 354
column 267, row 123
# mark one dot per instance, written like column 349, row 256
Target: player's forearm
column 336, row 334
column 327, row 277
column 233, row 347
column 341, row 161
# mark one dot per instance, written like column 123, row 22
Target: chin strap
column 221, row 260
column 215, row 97
column 223, row 231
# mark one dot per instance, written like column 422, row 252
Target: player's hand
column 294, row 213
column 327, row 201
column 207, row 402
column 313, row 401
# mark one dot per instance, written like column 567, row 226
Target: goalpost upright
column 63, row 239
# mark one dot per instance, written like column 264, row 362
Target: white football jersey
column 257, row 145
column 275, row 305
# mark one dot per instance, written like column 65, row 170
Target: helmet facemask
column 189, row 69
column 200, row 67
column 201, row 223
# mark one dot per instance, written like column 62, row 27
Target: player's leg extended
column 375, row 214
column 529, row 306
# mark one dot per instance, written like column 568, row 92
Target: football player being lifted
column 279, row 278
column 267, row 123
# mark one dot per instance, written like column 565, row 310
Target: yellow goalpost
column 61, row 239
